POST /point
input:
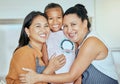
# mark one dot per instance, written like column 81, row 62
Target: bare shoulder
column 95, row 45
column 94, row 41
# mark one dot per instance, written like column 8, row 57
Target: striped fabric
column 93, row 76
column 39, row 68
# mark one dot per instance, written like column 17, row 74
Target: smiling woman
column 34, row 34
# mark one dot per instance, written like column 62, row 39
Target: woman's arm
column 78, row 81
column 89, row 51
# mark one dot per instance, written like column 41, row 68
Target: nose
column 55, row 21
column 69, row 29
column 44, row 29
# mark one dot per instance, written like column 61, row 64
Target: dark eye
column 73, row 24
column 46, row 25
column 38, row 26
column 59, row 17
column 50, row 18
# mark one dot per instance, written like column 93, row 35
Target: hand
column 29, row 78
column 56, row 62
column 78, row 81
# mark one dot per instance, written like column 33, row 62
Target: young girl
column 57, row 42
column 34, row 33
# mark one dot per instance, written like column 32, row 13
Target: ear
column 27, row 31
column 85, row 23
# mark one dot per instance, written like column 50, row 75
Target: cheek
column 65, row 32
column 61, row 21
column 50, row 22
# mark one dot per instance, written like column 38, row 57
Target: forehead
column 54, row 10
column 40, row 19
column 70, row 17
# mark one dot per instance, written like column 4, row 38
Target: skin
column 55, row 18
column 91, row 49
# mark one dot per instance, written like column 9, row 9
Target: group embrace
column 59, row 47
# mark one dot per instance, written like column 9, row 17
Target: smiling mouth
column 43, row 35
column 71, row 35
column 55, row 26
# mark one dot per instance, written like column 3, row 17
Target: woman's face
column 73, row 27
column 55, row 18
column 38, row 30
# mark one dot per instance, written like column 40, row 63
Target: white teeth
column 55, row 26
column 43, row 35
column 71, row 35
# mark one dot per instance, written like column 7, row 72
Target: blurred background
column 104, row 14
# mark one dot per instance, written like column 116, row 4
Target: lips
column 72, row 35
column 55, row 26
column 43, row 35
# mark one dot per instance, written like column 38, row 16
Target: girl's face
column 38, row 31
column 55, row 18
column 74, row 28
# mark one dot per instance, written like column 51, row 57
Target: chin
column 73, row 40
column 55, row 30
column 43, row 41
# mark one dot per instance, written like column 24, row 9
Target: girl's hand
column 56, row 62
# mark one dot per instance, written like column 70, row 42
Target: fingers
column 61, row 58
column 22, row 75
column 26, row 69
column 22, row 79
column 53, row 56
column 56, row 62
column 62, row 62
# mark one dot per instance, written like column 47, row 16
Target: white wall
column 9, row 35
column 19, row 8
column 107, row 20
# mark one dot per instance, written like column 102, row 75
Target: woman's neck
column 82, row 39
column 36, row 45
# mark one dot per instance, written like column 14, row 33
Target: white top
column 106, row 65
column 59, row 44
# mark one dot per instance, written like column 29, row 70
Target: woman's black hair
column 80, row 11
column 24, row 40
column 53, row 5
